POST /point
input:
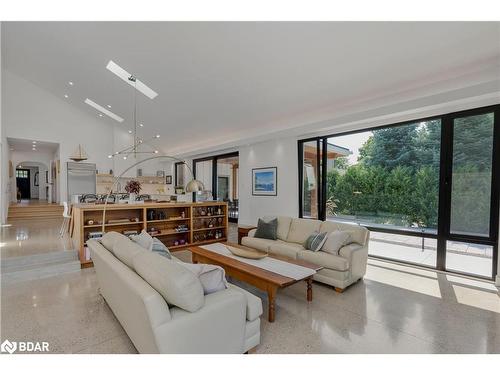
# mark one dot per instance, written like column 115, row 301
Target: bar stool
column 66, row 219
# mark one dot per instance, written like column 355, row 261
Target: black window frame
column 443, row 231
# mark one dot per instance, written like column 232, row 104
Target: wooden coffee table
column 260, row 278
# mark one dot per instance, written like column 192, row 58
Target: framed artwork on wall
column 264, row 181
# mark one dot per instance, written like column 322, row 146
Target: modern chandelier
column 134, row 150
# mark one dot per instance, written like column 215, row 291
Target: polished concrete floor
column 395, row 309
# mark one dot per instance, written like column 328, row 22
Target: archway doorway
column 32, row 183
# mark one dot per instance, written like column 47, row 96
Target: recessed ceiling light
column 123, row 74
column 157, row 136
column 156, row 151
column 71, row 83
column 100, row 114
column 34, row 142
column 141, row 124
column 66, row 96
column 130, row 132
column 110, row 156
column 103, row 110
column 124, row 158
column 108, row 106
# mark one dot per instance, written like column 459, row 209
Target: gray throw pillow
column 316, row 240
column 267, row 229
column 160, row 248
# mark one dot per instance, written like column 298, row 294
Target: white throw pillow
column 335, row 241
column 144, row 240
column 212, row 278
column 178, row 286
column 126, row 250
column 109, row 239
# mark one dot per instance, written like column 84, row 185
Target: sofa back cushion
column 284, row 223
column 301, row 229
column 126, row 250
column 178, row 286
column 357, row 233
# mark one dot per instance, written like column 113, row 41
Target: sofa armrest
column 251, row 233
column 254, row 303
column 357, row 256
column 218, row 327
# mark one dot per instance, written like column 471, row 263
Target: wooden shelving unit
column 197, row 218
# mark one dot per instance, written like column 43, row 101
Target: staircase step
column 15, row 264
column 41, row 272
column 39, row 211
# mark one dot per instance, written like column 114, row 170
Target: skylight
column 124, row 75
column 103, row 110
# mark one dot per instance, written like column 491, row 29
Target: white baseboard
column 497, row 282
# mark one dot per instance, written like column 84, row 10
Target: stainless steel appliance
column 81, row 179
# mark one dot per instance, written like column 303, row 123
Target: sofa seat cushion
column 126, row 250
column 286, row 249
column 257, row 243
column 178, row 286
column 323, row 259
column 301, row 229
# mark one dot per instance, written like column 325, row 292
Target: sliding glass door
column 470, row 211
column 310, row 191
column 426, row 189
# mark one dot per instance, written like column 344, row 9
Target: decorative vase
column 131, row 198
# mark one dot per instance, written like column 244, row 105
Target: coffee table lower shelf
column 264, row 280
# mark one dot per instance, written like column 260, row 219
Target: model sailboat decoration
column 79, row 154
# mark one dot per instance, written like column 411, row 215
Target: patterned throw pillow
column 267, row 229
column 160, row 248
column 316, row 240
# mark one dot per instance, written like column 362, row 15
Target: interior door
column 468, row 233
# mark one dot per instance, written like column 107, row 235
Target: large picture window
column 424, row 188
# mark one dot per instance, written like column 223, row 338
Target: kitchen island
column 177, row 225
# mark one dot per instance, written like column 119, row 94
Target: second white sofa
column 340, row 270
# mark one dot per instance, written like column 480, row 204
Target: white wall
column 280, row 153
column 4, row 151
column 33, row 113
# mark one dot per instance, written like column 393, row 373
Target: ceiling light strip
column 103, row 110
column 124, row 75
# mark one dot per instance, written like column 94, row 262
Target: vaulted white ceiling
column 219, row 82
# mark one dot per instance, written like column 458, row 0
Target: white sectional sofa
column 228, row 321
column 339, row 271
